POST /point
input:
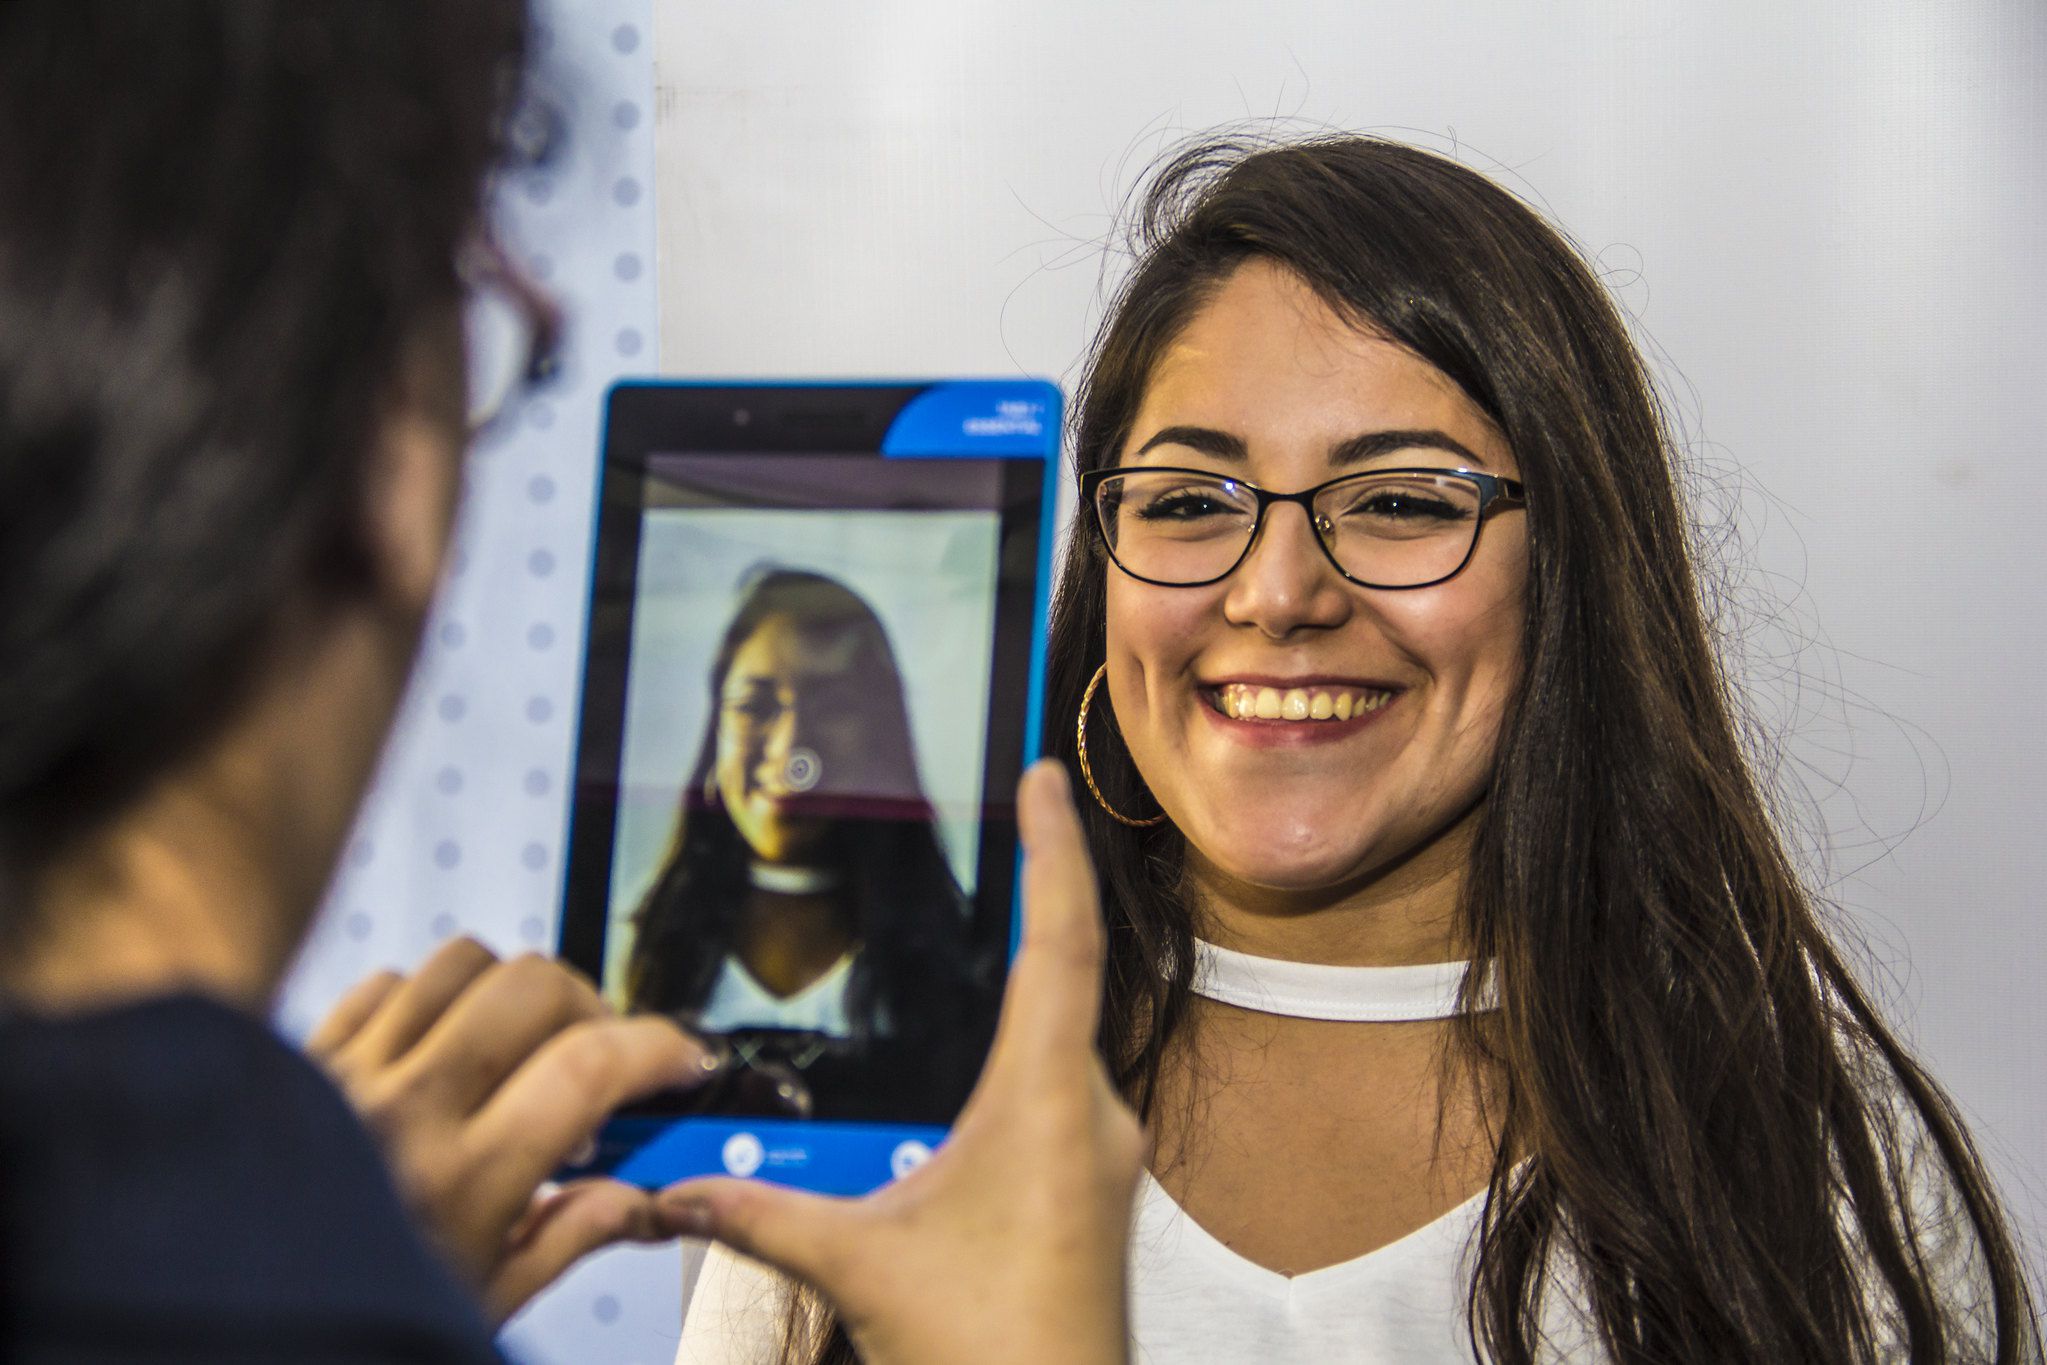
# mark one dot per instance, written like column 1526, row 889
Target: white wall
column 1826, row 220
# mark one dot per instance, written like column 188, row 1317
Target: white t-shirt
column 1193, row 1300
column 738, row 1000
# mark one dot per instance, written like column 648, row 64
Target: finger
column 502, row 1018
column 423, row 998
column 557, row 1099
column 576, row 1220
column 351, row 1012
column 809, row 1236
column 534, row 1215
column 1053, row 999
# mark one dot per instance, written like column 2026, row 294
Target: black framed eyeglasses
column 512, row 333
column 1385, row 528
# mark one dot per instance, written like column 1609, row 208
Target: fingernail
column 685, row 1215
column 584, row 1154
column 1049, row 775
column 1055, row 776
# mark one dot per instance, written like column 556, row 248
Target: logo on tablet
column 743, row 1154
column 908, row 1157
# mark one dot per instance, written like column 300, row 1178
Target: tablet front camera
column 803, row 771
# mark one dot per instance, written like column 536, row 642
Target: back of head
column 222, row 224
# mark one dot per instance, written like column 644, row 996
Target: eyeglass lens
column 498, row 341
column 1389, row 530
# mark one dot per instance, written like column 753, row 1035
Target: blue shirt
column 178, row 1184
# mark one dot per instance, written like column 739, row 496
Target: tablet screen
column 807, row 701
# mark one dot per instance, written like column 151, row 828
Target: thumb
column 561, row 1229
column 1055, row 981
column 808, row 1236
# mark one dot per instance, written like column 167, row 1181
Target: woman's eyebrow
column 1374, row 444
column 1371, row 445
column 1207, row 440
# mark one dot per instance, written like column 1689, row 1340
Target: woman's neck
column 1403, row 913
column 788, row 942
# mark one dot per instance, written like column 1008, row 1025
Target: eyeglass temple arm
column 484, row 258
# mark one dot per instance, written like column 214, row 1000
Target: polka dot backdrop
column 463, row 832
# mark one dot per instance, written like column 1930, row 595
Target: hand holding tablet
column 810, row 683
column 480, row 1078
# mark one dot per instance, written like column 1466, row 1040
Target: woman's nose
column 772, row 739
column 1286, row 582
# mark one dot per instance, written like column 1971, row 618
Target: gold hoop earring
column 1087, row 773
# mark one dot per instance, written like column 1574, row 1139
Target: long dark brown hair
column 1701, row 1118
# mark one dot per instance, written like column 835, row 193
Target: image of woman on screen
column 806, row 897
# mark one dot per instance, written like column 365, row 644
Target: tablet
column 811, row 681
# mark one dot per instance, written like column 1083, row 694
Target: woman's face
column 788, row 731
column 1267, row 384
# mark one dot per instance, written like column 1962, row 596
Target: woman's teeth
column 1242, row 701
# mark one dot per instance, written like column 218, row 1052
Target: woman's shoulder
column 735, row 1313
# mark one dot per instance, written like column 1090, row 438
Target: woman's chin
column 1271, row 861
column 773, row 838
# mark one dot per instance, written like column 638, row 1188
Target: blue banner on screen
column 978, row 418
column 843, row 1158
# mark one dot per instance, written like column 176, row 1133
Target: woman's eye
column 754, row 708
column 1186, row 505
column 1405, row 506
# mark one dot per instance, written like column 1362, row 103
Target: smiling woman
column 1547, row 785
column 1472, row 1000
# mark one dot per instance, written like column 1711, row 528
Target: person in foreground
column 236, row 242
column 1470, row 993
